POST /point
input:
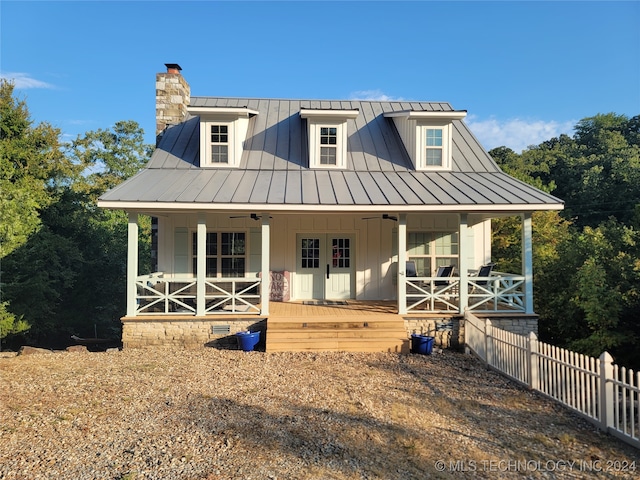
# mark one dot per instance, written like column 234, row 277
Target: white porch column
column 132, row 264
column 527, row 262
column 201, row 260
column 402, row 263
column 464, row 246
column 265, row 266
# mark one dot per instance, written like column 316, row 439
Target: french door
column 325, row 266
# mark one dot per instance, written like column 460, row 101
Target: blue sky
column 525, row 71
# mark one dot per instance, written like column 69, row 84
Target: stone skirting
column 448, row 330
column 522, row 325
column 193, row 332
column 189, row 332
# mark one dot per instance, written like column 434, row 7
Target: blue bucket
column 422, row 344
column 247, row 341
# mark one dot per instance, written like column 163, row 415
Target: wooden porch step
column 298, row 333
column 332, row 324
column 338, row 345
column 334, row 334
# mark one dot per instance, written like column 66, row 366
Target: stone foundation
column 448, row 331
column 521, row 325
column 188, row 332
column 193, row 332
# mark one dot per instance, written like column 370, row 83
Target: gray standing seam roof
column 274, row 165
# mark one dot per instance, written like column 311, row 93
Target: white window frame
column 315, row 147
column 208, row 161
column 318, row 119
column 422, row 147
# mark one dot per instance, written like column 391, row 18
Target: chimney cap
column 172, row 67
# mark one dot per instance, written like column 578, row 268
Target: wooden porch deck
column 352, row 308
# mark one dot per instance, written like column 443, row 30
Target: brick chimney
column 172, row 98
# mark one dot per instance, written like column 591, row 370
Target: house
column 263, row 205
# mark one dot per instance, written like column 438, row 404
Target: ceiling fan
column 253, row 216
column 385, row 216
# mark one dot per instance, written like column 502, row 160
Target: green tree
column 32, row 168
column 108, row 157
column 599, row 174
column 586, row 268
column 69, row 276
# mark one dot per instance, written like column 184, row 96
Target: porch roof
column 274, row 173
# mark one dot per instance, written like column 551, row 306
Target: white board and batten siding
column 374, row 251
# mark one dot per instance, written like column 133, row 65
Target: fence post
column 488, row 341
column 532, row 361
column 605, row 406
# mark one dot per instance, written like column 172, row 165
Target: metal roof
column 273, row 171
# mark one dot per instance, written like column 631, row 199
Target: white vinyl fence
column 597, row 389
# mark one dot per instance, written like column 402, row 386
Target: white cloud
column 516, row 133
column 24, row 81
column 373, row 95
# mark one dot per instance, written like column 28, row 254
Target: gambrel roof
column 273, row 174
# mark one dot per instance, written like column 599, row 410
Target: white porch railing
column 597, row 389
column 232, row 295
column 498, row 292
column 178, row 295
column 432, row 293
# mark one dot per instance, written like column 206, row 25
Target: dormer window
column 219, row 143
column 433, row 147
column 328, row 137
column 427, row 136
column 328, row 145
column 223, row 131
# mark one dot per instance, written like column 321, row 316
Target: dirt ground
column 224, row 414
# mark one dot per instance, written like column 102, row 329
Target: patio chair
column 443, row 272
column 411, row 269
column 484, row 271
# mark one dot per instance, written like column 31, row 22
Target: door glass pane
column 341, row 252
column 310, row 253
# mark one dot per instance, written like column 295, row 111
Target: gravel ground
column 224, row 414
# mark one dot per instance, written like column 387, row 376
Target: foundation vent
column 220, row 329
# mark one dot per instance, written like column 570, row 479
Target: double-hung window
column 219, row 143
column 328, row 145
column 226, row 254
column 434, row 147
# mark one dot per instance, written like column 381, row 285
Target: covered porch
column 200, row 295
